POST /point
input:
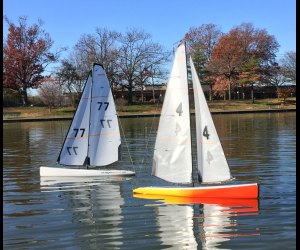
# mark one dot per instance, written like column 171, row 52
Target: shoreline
column 35, row 119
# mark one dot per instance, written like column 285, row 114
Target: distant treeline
column 241, row 60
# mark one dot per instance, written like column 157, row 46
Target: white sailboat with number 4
column 172, row 160
column 93, row 139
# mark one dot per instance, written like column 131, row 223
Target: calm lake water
column 86, row 213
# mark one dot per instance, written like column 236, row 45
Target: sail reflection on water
column 175, row 224
column 214, row 224
column 188, row 222
column 219, row 222
column 95, row 205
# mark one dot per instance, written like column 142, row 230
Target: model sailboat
column 94, row 137
column 172, row 159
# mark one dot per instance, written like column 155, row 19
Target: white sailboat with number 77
column 93, row 139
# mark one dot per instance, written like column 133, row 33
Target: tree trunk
column 129, row 95
column 153, row 91
column 24, row 97
column 229, row 90
column 252, row 93
column 142, row 95
column 73, row 100
column 277, row 91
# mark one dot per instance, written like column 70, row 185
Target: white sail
column 172, row 159
column 105, row 139
column 212, row 164
column 74, row 150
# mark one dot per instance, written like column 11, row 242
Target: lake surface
column 87, row 213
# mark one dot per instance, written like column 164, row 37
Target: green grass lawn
column 38, row 112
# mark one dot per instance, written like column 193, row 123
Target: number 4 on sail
column 93, row 139
column 172, row 160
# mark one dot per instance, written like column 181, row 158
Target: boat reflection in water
column 90, row 206
column 51, row 182
column 175, row 226
column 208, row 222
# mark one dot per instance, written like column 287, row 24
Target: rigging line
column 147, row 141
column 122, row 130
column 151, row 128
column 126, row 143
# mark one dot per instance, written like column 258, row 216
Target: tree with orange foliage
column 285, row 92
column 220, row 87
column 226, row 59
column 235, row 53
column 25, row 56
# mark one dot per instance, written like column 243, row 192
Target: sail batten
column 172, row 160
column 212, row 163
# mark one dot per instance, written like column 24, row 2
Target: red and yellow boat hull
column 244, row 191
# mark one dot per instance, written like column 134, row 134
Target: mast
column 187, row 75
column 87, row 160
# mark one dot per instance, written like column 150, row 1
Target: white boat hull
column 53, row 171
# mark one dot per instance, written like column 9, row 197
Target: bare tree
column 127, row 59
column 137, row 55
column 277, row 77
column 67, row 77
column 282, row 73
column 204, row 37
column 288, row 64
column 49, row 92
column 97, row 48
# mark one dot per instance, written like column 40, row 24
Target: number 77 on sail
column 93, row 139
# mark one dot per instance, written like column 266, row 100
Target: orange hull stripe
column 222, row 191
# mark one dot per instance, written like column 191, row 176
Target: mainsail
column 105, row 139
column 172, row 159
column 212, row 164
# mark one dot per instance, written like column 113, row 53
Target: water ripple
column 87, row 213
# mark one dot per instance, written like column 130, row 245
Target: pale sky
column 166, row 20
